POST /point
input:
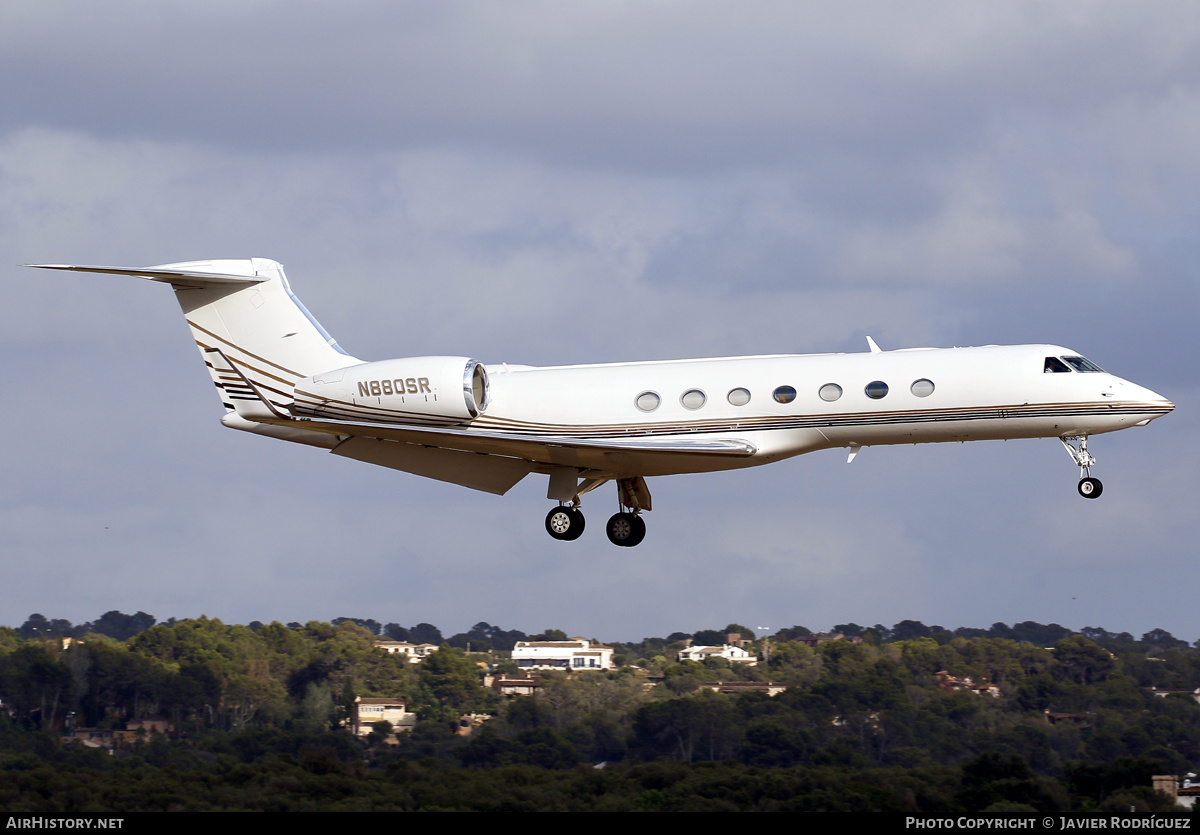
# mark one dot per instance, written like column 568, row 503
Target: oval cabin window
column 648, row 401
column 693, row 399
column 830, row 392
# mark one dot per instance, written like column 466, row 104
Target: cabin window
column 738, row 397
column 876, row 390
column 1055, row 366
column 830, row 392
column 648, row 401
column 693, row 399
column 1081, row 364
column 784, row 394
column 922, row 387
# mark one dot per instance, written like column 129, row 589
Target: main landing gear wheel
column 626, row 529
column 565, row 523
column 1090, row 488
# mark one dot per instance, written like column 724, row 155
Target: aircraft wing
column 495, row 461
column 543, row 449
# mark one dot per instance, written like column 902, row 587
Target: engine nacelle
column 439, row 390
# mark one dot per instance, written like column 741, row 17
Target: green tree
column 453, row 680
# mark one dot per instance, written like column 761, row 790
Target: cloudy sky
column 544, row 183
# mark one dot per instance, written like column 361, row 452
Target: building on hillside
column 509, row 684
column 468, row 723
column 1163, row 692
column 951, row 683
column 369, row 711
column 1169, row 785
column 733, row 688
column 413, row 652
column 150, row 726
column 575, row 654
column 1079, row 720
column 735, row 655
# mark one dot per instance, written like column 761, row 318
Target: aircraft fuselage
column 924, row 395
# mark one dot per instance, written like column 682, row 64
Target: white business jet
column 279, row 374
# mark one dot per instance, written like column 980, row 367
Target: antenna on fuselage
column 874, row 348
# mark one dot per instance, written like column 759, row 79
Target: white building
column 735, row 655
column 413, row 652
column 576, row 654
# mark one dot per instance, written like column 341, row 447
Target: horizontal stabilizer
column 191, row 274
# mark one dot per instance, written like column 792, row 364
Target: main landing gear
column 1089, row 488
column 565, row 522
column 626, row 528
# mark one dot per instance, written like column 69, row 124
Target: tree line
column 1051, row 720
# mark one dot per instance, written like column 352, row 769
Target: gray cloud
column 532, row 182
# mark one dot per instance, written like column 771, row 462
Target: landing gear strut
column 1089, row 488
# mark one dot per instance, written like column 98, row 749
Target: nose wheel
column 565, row 523
column 1089, row 488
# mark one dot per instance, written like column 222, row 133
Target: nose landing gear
column 1089, row 488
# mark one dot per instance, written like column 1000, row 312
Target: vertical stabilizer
column 246, row 321
column 262, row 327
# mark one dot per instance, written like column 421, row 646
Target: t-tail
column 254, row 335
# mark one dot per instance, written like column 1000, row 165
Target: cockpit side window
column 1055, row 366
column 1081, row 364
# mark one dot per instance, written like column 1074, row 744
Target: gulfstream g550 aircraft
column 278, row 373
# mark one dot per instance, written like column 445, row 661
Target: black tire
column 577, row 525
column 564, row 523
column 1090, row 488
column 639, row 532
column 625, row 529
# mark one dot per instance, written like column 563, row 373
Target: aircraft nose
column 1153, row 401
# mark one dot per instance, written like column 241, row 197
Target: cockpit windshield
column 1081, row 364
column 1063, row 365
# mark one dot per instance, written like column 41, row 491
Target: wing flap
column 489, row 473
